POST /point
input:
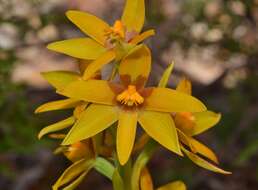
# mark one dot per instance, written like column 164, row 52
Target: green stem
column 126, row 173
column 141, row 162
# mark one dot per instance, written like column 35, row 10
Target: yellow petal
column 82, row 48
column 96, row 65
column 57, row 126
column 203, row 163
column 134, row 15
column 177, row 185
column 136, row 64
column 76, row 182
column 161, row 127
column 60, row 79
column 97, row 91
column 145, row 180
column 204, row 150
column 185, row 140
column 204, row 121
column 168, row 100
column 165, row 77
column 57, row 105
column 197, row 147
column 126, row 131
column 184, row 86
column 93, row 120
column 89, row 24
column 57, row 136
column 72, row 172
column 141, row 37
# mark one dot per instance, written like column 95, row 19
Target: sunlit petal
column 89, row 24
column 204, row 150
column 97, row 64
column 137, row 64
column 141, row 37
column 168, row 100
column 57, row 105
column 97, row 91
column 57, row 126
column 134, row 15
column 60, row 79
column 126, row 131
column 161, row 127
column 203, row 163
column 93, row 120
column 185, row 86
column 82, row 48
column 204, row 121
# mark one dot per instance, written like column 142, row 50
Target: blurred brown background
column 213, row 42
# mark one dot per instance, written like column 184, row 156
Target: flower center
column 116, row 31
column 130, row 97
column 119, row 29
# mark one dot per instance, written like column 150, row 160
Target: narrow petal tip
column 40, row 135
column 70, row 13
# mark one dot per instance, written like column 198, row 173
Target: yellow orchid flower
column 106, row 43
column 129, row 102
column 189, row 124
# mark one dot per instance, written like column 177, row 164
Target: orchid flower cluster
column 104, row 133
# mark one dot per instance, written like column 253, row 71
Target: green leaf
column 104, row 167
column 250, row 150
column 140, row 163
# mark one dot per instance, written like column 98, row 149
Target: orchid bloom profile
column 190, row 124
column 105, row 43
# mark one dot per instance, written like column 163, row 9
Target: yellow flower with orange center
column 129, row 102
column 130, row 97
column 105, row 43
